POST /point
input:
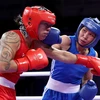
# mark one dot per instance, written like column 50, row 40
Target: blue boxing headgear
column 93, row 24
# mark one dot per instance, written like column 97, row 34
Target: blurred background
column 69, row 14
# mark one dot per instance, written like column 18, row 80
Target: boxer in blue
column 65, row 78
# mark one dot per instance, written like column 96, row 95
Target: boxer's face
column 85, row 36
column 43, row 30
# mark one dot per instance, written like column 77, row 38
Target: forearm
column 8, row 67
column 56, row 54
column 60, row 55
column 84, row 81
column 87, row 76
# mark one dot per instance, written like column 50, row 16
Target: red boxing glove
column 89, row 62
column 34, row 59
column 94, row 72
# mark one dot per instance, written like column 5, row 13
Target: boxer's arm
column 9, row 44
column 67, row 57
column 64, row 45
column 55, row 53
column 85, row 90
column 60, row 55
column 87, row 76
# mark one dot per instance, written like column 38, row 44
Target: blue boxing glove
column 89, row 90
column 53, row 37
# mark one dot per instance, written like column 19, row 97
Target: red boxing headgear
column 33, row 16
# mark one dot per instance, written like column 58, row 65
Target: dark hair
column 18, row 20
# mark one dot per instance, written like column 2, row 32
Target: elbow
column 63, row 57
column 66, row 57
column 4, row 68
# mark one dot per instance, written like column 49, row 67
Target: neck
column 82, row 50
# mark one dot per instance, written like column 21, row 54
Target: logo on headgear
column 90, row 25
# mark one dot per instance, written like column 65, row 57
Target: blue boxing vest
column 69, row 73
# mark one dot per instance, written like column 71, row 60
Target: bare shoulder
column 65, row 44
column 66, row 39
column 10, row 36
column 11, row 39
column 9, row 44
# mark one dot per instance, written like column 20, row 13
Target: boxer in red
column 16, row 53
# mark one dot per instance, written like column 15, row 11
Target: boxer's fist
column 34, row 59
column 94, row 72
column 89, row 62
column 53, row 37
column 89, row 90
